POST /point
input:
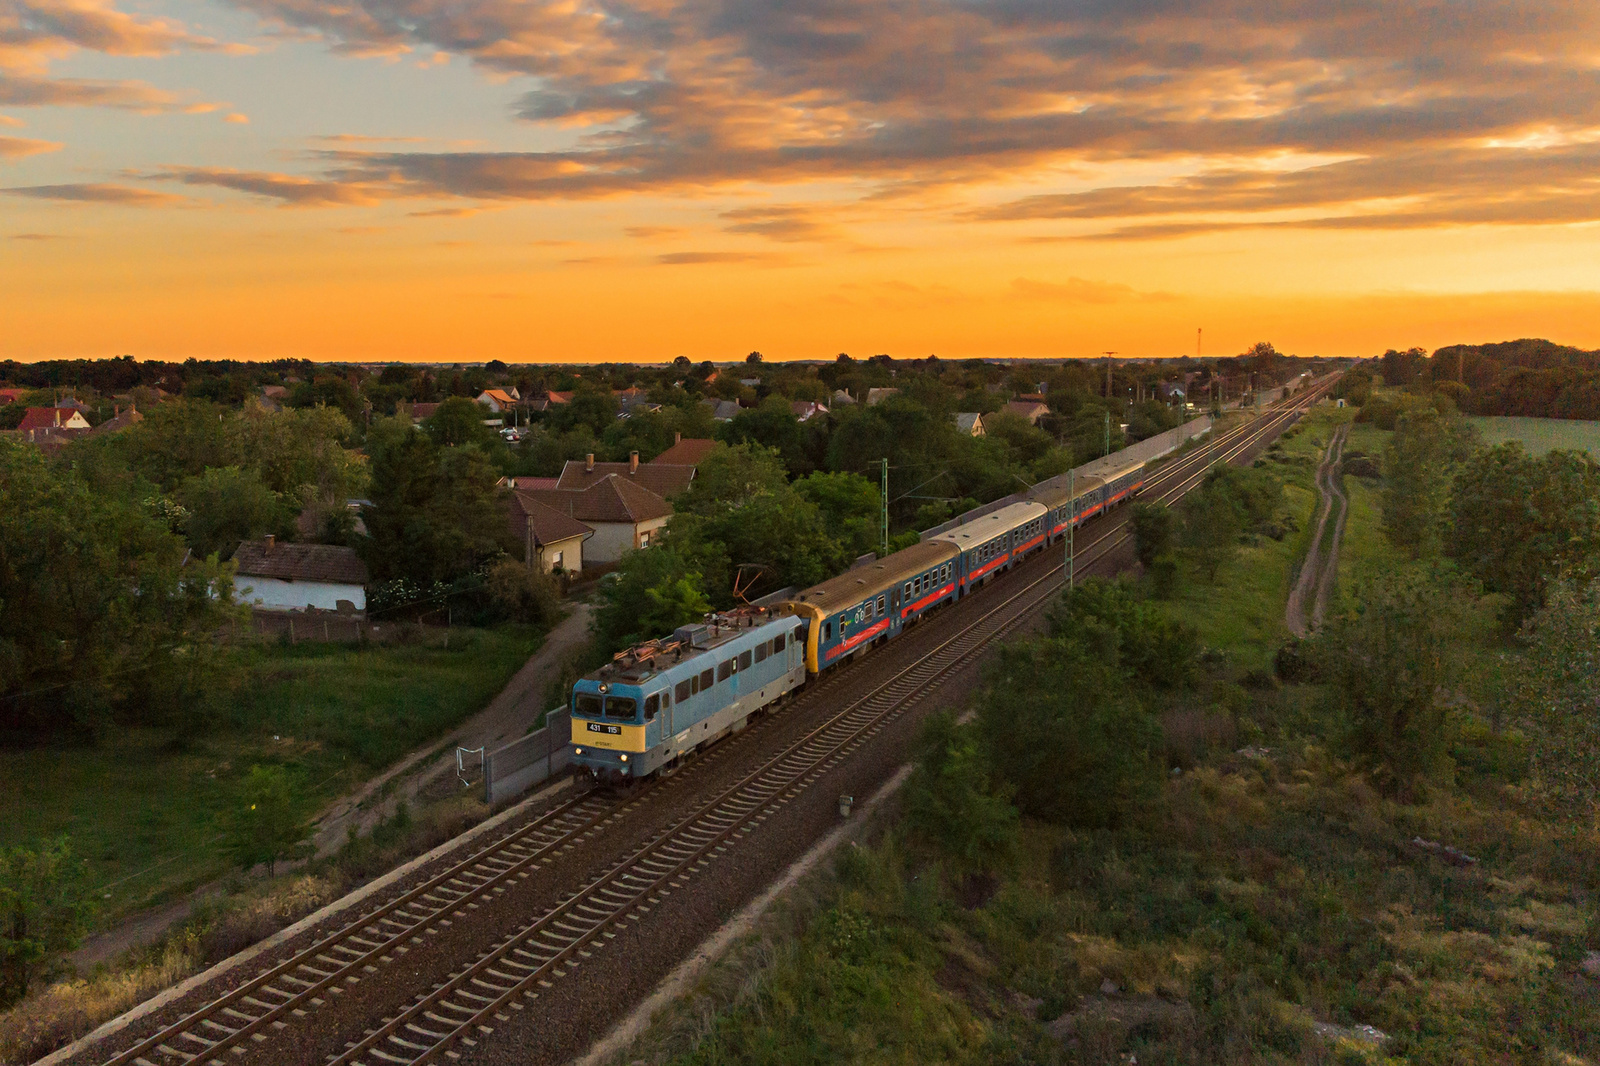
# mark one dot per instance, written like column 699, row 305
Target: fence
column 1143, row 452
column 529, row 761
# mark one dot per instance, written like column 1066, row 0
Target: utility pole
column 1108, row 356
column 1197, row 342
column 885, row 506
column 1108, row 433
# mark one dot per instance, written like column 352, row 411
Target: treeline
column 1529, row 378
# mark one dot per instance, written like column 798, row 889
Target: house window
column 555, row 561
column 644, row 538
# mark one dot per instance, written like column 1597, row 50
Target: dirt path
column 1316, row 572
column 1330, row 566
column 508, row 716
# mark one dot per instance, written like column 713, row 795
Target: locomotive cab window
column 586, row 705
column 705, row 680
column 621, row 707
column 684, row 690
column 652, row 704
column 777, row 643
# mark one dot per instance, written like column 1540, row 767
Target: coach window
column 882, row 604
column 652, row 704
column 705, row 680
column 827, row 631
column 761, row 651
column 724, row 669
column 744, row 660
column 586, row 705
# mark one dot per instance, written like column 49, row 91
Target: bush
column 1155, row 530
column 1061, row 728
column 519, row 593
column 43, row 912
column 952, row 807
column 263, row 826
column 1113, row 626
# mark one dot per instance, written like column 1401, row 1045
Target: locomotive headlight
column 577, row 751
column 624, row 758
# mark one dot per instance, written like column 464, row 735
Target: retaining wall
column 529, row 761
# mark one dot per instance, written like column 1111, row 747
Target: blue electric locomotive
column 654, row 704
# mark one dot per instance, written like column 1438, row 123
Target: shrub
column 263, row 825
column 1155, row 530
column 952, row 806
column 519, row 593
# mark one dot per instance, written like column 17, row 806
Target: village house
column 498, row 400
column 1032, row 410
column 624, row 515
column 52, row 426
column 552, row 541
column 877, row 396
column 691, row 452
column 969, row 423
column 805, row 410
column 119, row 421
column 664, row 479
column 10, row 396
column 292, row 577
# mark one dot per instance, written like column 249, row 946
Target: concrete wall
column 270, row 593
column 529, row 760
column 571, row 552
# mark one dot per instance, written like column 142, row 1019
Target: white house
column 293, row 577
column 624, row 515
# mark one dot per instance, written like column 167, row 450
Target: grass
column 142, row 807
column 1540, row 435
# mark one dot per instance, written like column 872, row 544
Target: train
column 657, row 703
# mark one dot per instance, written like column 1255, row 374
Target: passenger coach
column 996, row 542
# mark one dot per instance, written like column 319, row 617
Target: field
column 1540, row 435
column 142, row 807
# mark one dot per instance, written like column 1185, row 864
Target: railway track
column 474, row 999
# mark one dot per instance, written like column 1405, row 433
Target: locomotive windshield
column 619, row 707
column 586, row 705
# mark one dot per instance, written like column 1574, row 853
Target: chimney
column 588, row 462
column 116, row 410
column 677, row 438
column 271, row 540
column 633, row 462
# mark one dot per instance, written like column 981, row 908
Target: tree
column 953, row 804
column 652, row 593
column 1418, row 463
column 44, row 913
column 771, row 425
column 851, row 508
column 753, row 359
column 1517, row 522
column 1385, row 665
column 1557, row 696
column 1211, row 530
column 226, row 505
column 1115, row 627
column 1063, row 730
column 262, row 825
column 459, row 421
column 1155, row 531
column 436, row 513
column 99, row 616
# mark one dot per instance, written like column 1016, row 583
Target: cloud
column 696, row 258
column 650, row 233
column 18, row 147
column 237, row 118
column 357, row 138
column 780, row 223
column 1083, row 291
column 35, row 237
column 121, row 195
column 449, row 212
column 290, row 190
column 7, row 120
column 19, row 91
column 682, row 96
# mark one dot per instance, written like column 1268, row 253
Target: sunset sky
column 600, row 179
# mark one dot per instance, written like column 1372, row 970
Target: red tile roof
column 11, row 395
column 421, row 412
column 691, row 452
column 330, row 563
column 124, row 419
column 548, row 525
column 663, row 479
column 52, row 418
column 612, row 499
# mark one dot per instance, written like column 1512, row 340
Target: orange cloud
column 119, row 195
column 18, row 147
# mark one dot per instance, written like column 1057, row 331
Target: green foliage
column 1418, row 463
column 436, row 513
column 44, row 913
column 651, row 593
column 952, row 801
column 1517, row 523
column 771, row 425
column 459, row 421
column 98, row 615
column 1386, row 665
column 1063, row 730
column 850, row 506
column 1211, row 530
column 225, row 505
column 1116, row 628
column 519, row 593
column 1155, row 531
column 1557, row 696
column 263, row 825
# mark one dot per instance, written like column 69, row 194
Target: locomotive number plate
column 596, row 727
